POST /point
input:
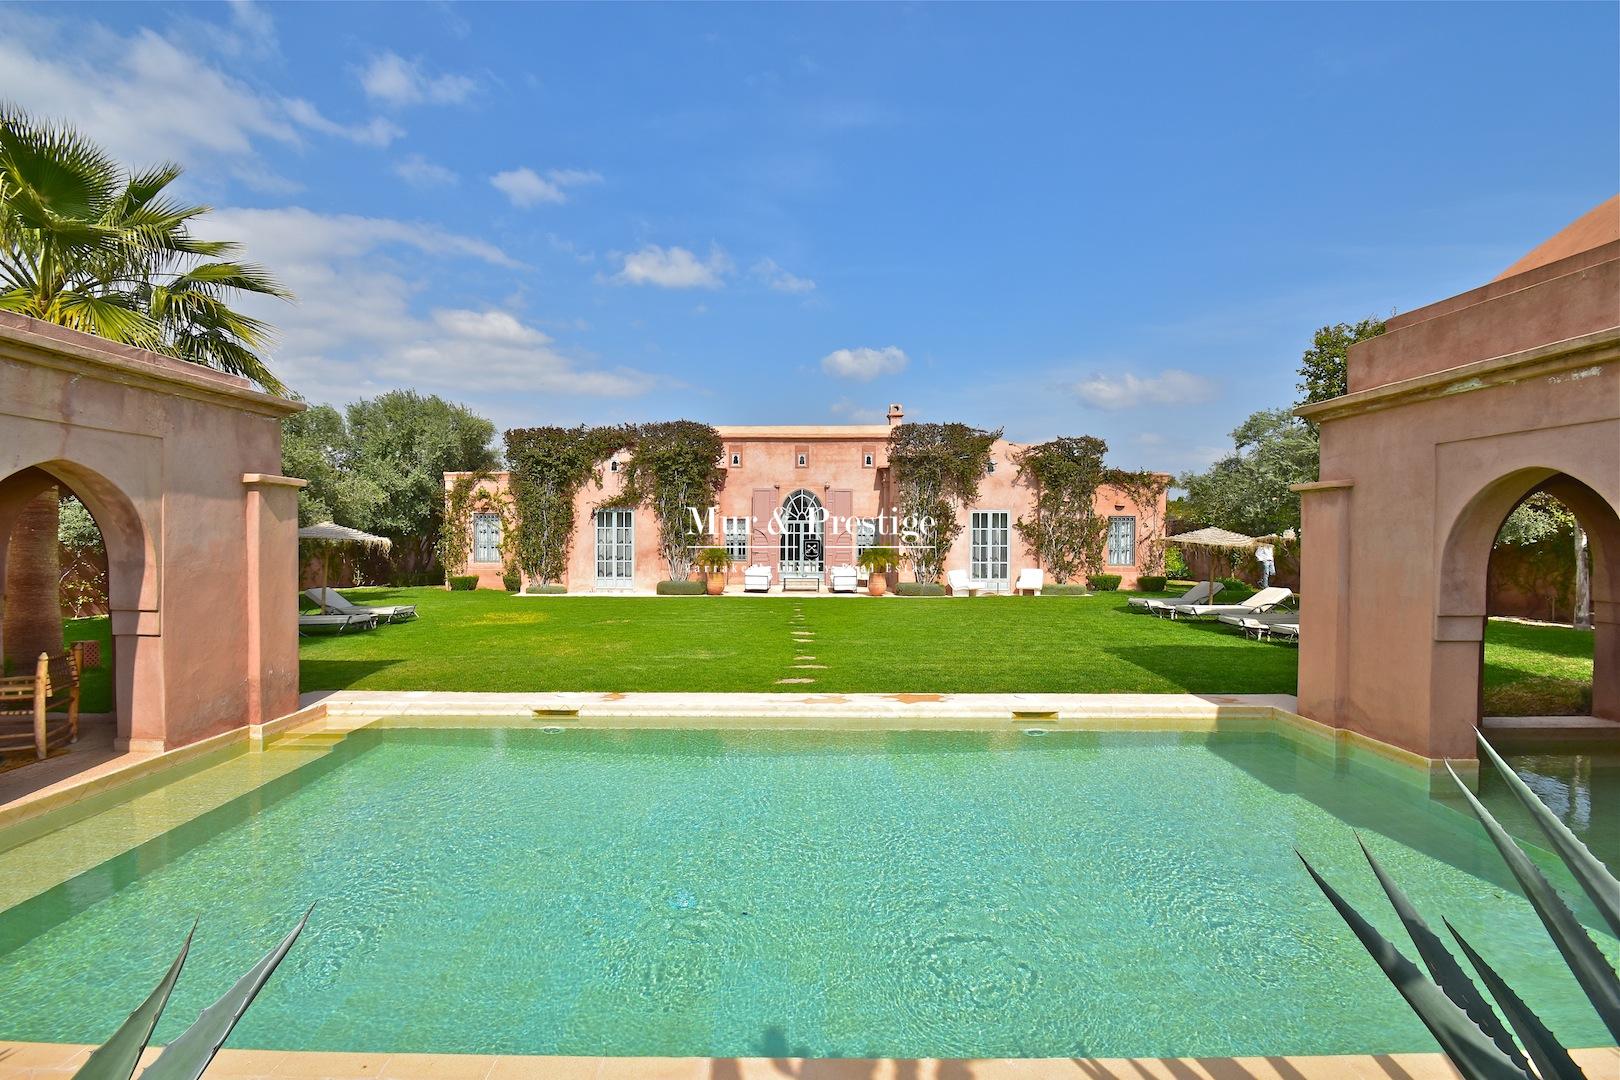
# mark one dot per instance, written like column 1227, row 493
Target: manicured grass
column 1533, row 670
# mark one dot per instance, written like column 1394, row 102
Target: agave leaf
column 1467, row 1047
column 194, row 1048
column 1552, row 1060
column 1585, row 962
column 1593, row 876
column 116, row 1058
column 1445, row 970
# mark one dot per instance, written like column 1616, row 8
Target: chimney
column 896, row 414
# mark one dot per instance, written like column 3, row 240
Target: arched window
column 802, row 525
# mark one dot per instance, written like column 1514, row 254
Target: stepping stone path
column 802, row 636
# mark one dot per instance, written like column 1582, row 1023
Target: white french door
column 987, row 553
column 615, row 549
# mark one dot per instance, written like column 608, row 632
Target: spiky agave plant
column 193, row 1049
column 88, row 244
column 1454, row 1010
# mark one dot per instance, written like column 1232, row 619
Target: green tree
column 1065, row 530
column 315, row 446
column 549, row 465
column 1247, row 491
column 1322, row 370
column 674, row 468
column 937, row 469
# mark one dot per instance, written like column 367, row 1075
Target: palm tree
column 89, row 244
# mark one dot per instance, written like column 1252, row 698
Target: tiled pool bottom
column 753, row 893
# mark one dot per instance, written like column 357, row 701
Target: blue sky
column 1097, row 219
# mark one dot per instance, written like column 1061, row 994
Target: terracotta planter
column 715, row 583
column 877, row 584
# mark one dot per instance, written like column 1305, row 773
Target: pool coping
column 36, row 1061
column 344, row 711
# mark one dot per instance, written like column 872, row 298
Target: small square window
column 866, row 461
column 804, row 460
column 736, row 460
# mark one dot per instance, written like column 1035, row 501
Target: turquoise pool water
column 754, row 893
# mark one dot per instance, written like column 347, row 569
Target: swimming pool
column 759, row 893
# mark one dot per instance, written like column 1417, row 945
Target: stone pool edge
column 38, row 1061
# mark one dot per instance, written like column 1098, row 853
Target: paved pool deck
column 57, row 1061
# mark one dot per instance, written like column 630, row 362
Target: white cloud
column 865, row 364
column 781, row 280
column 356, row 329
column 375, row 132
column 418, row 171
column 394, row 80
column 525, row 187
column 1169, row 387
column 674, row 268
column 145, row 98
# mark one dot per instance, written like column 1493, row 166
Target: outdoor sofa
column 757, row 578
column 962, row 585
column 845, row 578
column 1030, row 581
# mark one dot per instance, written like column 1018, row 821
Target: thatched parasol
column 328, row 536
column 1213, row 540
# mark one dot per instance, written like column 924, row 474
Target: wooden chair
column 26, row 702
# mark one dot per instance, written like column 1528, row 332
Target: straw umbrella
column 327, row 536
column 1213, row 540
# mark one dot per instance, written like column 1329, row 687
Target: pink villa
column 802, row 500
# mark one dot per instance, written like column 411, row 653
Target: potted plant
column 714, row 562
column 878, row 562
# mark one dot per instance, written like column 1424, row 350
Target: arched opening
column 1467, row 684
column 803, row 523
column 73, row 553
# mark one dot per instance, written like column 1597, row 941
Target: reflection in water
column 1582, row 788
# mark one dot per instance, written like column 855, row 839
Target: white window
column 736, row 460
column 988, row 536
column 865, row 535
column 804, row 459
column 866, row 461
column 1122, row 541
column 486, row 538
column 737, row 538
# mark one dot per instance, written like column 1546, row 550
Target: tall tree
column 1248, row 490
column 937, row 469
column 1065, row 529
column 1323, row 372
column 674, row 468
column 89, row 244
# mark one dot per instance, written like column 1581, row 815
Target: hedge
column 1103, row 582
column 537, row 589
column 1151, row 583
column 681, row 588
column 917, row 588
column 1065, row 590
column 463, row 582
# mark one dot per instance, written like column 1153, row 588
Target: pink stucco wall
column 835, row 471
column 180, row 468
column 1453, row 418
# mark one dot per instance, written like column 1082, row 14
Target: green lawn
column 491, row 641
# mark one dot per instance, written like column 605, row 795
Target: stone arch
column 1460, row 600
column 133, row 569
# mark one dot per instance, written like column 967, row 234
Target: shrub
column 1065, row 590
column 1151, row 583
column 918, row 588
column 512, row 580
column 1103, row 582
column 463, row 582
column 681, row 588
column 1234, row 590
column 537, row 589
column 879, row 560
column 713, row 560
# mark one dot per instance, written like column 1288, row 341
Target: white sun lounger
column 332, row 602
column 1195, row 595
column 1264, row 623
column 1263, row 600
column 335, row 623
column 962, row 585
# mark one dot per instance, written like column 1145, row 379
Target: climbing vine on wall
column 674, row 467
column 1145, row 488
column 937, row 469
column 1064, row 530
column 469, row 494
column 548, row 466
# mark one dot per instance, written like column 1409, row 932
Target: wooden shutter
column 840, row 540
column 764, row 547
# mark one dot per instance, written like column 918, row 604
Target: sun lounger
column 962, row 585
column 757, row 578
column 1030, row 581
column 1263, row 600
column 333, row 603
column 336, row 622
column 1265, row 624
column 1198, row 594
